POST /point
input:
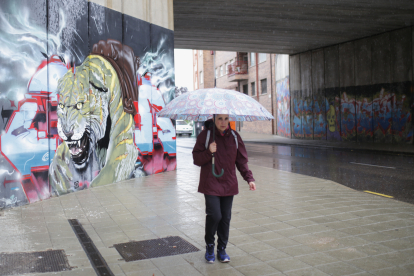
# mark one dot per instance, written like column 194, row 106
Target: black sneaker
column 210, row 253
column 222, row 255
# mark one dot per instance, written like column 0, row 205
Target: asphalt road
column 389, row 175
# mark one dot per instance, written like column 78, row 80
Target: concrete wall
column 359, row 91
column 158, row 12
column 282, row 97
column 79, row 88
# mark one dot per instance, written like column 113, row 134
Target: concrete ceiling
column 284, row 27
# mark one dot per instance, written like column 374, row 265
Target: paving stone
column 306, row 272
column 316, row 259
column 288, row 264
column 369, row 264
column 257, row 269
column 339, row 268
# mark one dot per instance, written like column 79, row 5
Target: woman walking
column 230, row 153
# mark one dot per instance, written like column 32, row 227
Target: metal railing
column 238, row 67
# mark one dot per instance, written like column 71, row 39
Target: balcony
column 238, row 70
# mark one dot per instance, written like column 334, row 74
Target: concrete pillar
column 363, row 74
column 401, row 55
column 401, row 79
column 306, row 89
column 381, row 59
column 296, row 102
column 363, row 94
column 332, row 94
column 347, row 90
column 381, row 90
column 283, row 95
column 346, row 65
column 318, row 85
column 282, row 67
column 331, row 67
column 158, row 12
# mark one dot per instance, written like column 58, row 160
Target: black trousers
column 218, row 215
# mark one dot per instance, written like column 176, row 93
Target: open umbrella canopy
column 200, row 105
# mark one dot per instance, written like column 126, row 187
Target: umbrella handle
column 216, row 175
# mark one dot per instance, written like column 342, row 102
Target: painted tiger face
column 84, row 93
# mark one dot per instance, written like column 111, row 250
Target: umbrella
column 202, row 104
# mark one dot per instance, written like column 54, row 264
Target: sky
column 183, row 62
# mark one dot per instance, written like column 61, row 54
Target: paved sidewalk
column 406, row 149
column 292, row 225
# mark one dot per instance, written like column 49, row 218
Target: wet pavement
column 294, row 224
column 386, row 174
column 375, row 171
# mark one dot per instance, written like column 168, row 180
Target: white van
column 181, row 127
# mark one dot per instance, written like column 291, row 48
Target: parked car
column 181, row 127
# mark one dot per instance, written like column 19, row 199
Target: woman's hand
column 213, row 147
column 252, row 186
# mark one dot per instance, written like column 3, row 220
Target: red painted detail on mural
column 9, row 181
column 44, row 63
column 39, row 169
column 40, row 185
column 12, row 103
column 137, row 117
column 139, row 80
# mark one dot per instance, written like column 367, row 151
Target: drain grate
column 148, row 249
column 97, row 261
column 33, row 262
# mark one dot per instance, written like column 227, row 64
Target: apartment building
column 249, row 73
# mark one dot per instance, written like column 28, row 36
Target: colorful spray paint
column 79, row 98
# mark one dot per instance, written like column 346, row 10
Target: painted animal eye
column 79, row 105
column 61, row 106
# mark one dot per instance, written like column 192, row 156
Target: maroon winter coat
column 227, row 157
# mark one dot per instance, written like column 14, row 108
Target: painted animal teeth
column 73, row 142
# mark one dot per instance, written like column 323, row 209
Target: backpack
column 232, row 132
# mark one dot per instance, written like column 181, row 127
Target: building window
column 216, row 72
column 200, row 53
column 252, row 59
column 253, row 88
column 227, row 68
column 201, row 77
column 246, row 89
column 222, row 70
column 196, row 83
column 263, row 84
column 262, row 57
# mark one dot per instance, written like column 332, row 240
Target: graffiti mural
column 333, row 115
column 363, row 108
column 307, row 119
column 402, row 110
column 382, row 114
column 297, row 114
column 283, row 107
column 319, row 114
column 79, row 98
column 348, row 120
